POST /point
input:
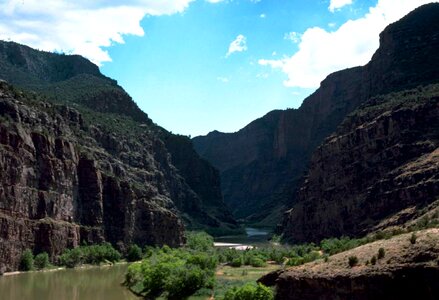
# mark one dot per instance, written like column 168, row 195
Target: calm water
column 97, row 283
column 254, row 236
column 74, row 284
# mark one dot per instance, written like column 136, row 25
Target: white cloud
column 223, row 79
column 215, row 1
column 293, row 36
column 262, row 16
column 337, row 4
column 81, row 27
column 353, row 43
column 238, row 45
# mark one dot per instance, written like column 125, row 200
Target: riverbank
column 58, row 268
column 83, row 283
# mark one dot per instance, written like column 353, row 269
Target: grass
column 228, row 277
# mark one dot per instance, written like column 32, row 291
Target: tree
column 41, row 261
column 171, row 273
column 27, row 261
column 134, row 253
column 200, row 241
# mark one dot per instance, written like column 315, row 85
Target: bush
column 373, row 260
column 236, row 262
column 95, row 254
column 413, row 238
column 186, row 280
column 134, row 253
column 381, row 253
column 199, row 241
column 71, row 257
column 175, row 274
column 249, row 292
column 41, row 261
column 27, row 261
column 257, row 262
column 353, row 261
column 295, row 261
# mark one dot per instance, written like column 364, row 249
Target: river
column 94, row 283
column 254, row 237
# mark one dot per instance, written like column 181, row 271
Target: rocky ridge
column 379, row 169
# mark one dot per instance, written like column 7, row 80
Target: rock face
column 99, row 172
column 382, row 162
column 406, row 272
column 58, row 189
column 261, row 165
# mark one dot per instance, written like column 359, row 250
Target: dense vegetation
column 174, row 273
column 95, row 255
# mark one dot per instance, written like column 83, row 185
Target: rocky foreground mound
column 407, row 271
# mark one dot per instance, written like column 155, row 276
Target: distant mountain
column 80, row 162
column 263, row 164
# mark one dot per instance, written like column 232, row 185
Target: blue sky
column 200, row 65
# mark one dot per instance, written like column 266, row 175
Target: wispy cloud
column 223, row 79
column 337, row 4
column 237, row 45
column 353, row 43
column 81, row 27
column 293, row 36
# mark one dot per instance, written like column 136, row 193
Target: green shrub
column 199, row 241
column 186, row 280
column 134, row 253
column 249, row 292
column 27, row 261
column 413, row 238
column 236, row 262
column 175, row 274
column 71, row 257
column 94, row 254
column 295, row 261
column 41, row 261
column 373, row 260
column 381, row 253
column 257, row 262
column 353, row 261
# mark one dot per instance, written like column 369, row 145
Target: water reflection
column 255, row 237
column 102, row 283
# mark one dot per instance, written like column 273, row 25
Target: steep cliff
column 74, row 81
column 60, row 187
column 380, row 168
column 79, row 161
column 262, row 164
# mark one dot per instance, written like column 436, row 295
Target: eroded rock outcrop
column 380, row 168
column 60, row 185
